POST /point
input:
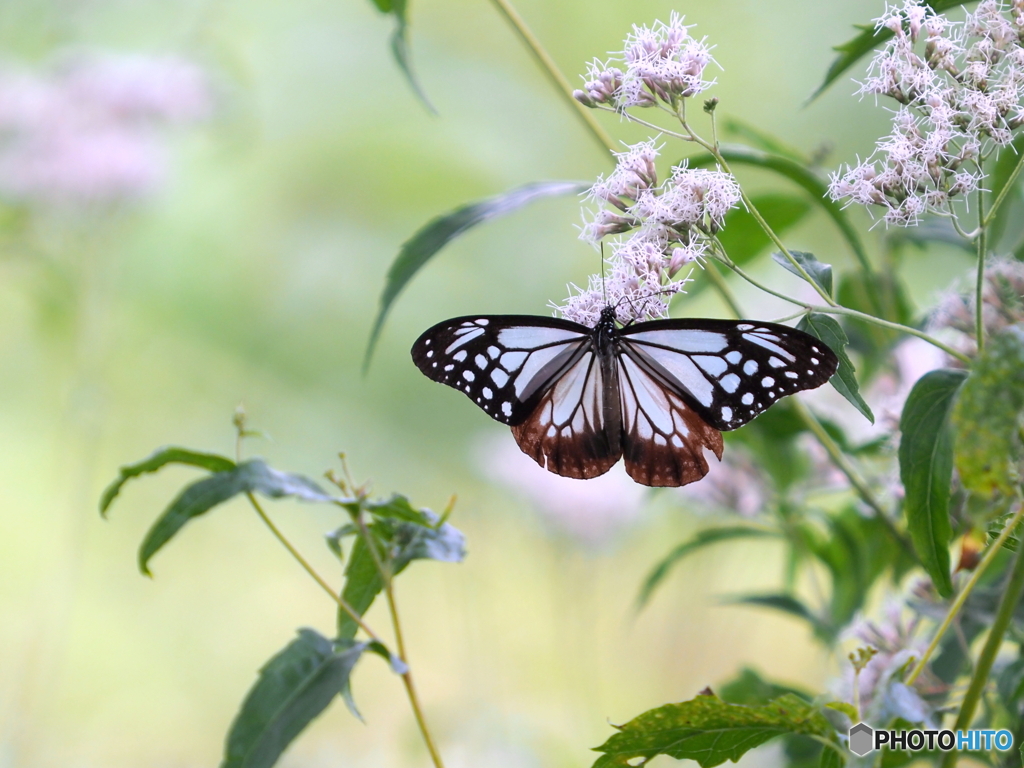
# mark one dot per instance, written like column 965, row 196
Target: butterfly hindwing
column 572, row 431
column 502, row 363
column 663, row 438
column 728, row 371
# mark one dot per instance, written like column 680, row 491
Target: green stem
column 384, row 569
column 1007, row 605
column 979, row 288
column 554, row 73
column 961, row 598
column 342, row 603
column 846, row 467
column 1003, row 193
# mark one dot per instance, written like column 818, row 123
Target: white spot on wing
column 730, row 383
column 734, row 356
column 463, row 339
column 716, row 366
column 512, row 360
column 774, row 362
column 499, row 377
column 459, row 356
column 748, row 398
column 468, row 375
column 481, row 362
column 506, row 408
column 767, row 381
column 493, row 352
column 727, row 414
column 686, row 340
column 750, row 367
column 530, row 337
column 488, row 393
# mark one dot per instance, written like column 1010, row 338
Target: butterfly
column 655, row 393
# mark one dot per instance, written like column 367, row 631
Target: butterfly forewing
column 504, row 364
column 728, row 371
column 571, row 431
column 663, row 438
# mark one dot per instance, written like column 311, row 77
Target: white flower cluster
column 662, row 63
column 672, row 224
column 959, row 87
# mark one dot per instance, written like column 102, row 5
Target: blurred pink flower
column 593, row 512
column 89, row 129
column 735, row 484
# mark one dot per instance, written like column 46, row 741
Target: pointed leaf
column 800, row 175
column 987, row 417
column 399, row 508
column 700, row 540
column 709, row 731
column 764, row 141
column 865, row 42
column 786, row 604
column 293, row 688
column 926, row 470
column 422, row 246
column 820, row 274
column 159, row 459
column 844, row 380
column 200, row 497
column 400, row 50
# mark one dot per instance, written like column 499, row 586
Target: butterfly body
column 657, row 394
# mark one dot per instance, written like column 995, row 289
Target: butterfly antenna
column 604, row 289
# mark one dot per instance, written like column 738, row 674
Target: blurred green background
column 252, row 276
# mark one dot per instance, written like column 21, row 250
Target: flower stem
column 961, row 598
column 979, row 288
column 342, row 603
column 1007, row 605
column 1003, row 193
column 410, row 688
column 553, row 72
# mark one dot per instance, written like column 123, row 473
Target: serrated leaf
column 199, row 498
column 700, row 540
column 988, row 415
column 399, row 543
column 425, row 243
column 293, row 688
column 820, row 273
column 844, row 380
column 160, row 458
column 743, row 238
column 799, row 174
column 865, row 42
column 709, row 731
column 926, row 470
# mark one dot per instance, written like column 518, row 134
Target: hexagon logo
column 861, row 739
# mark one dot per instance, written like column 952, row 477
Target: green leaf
column 199, row 498
column 398, row 543
column 750, row 688
column 421, row 247
column 709, row 731
column 400, row 45
column 830, row 758
column 820, row 273
column 159, row 459
column 988, row 416
column 1010, row 209
column 764, row 140
column 786, row 604
column 399, row 508
column 743, row 238
column 926, row 470
column 844, row 380
column 856, row 550
column 800, row 175
column 293, row 688
column 868, row 39
column 700, row 540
